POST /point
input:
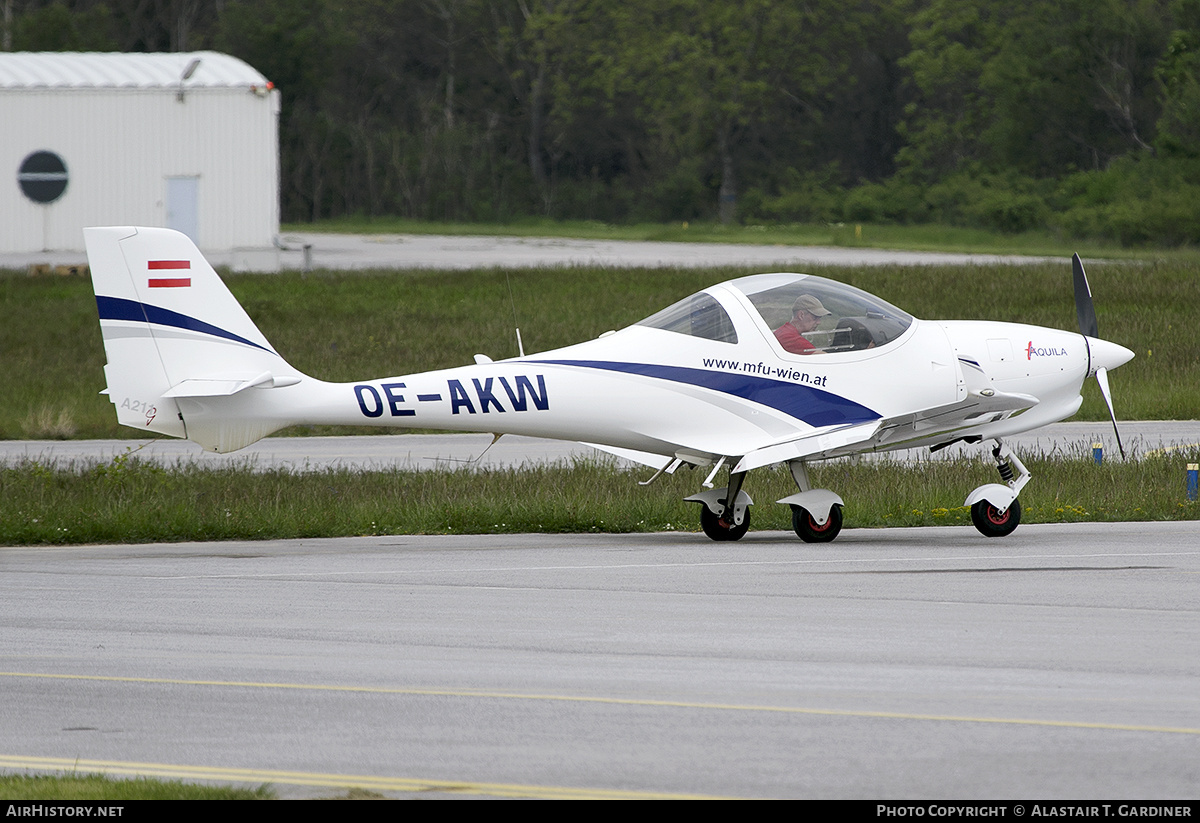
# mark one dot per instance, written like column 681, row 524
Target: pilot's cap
column 810, row 304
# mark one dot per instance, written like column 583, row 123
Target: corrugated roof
column 95, row 70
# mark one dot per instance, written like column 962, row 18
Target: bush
column 811, row 197
column 680, row 195
column 1009, row 204
column 1135, row 201
column 1008, row 211
column 893, row 201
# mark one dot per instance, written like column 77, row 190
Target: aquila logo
column 1033, row 350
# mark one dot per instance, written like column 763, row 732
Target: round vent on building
column 42, row 177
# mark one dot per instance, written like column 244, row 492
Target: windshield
column 841, row 317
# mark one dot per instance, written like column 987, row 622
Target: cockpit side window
column 698, row 316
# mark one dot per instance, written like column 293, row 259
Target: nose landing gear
column 995, row 510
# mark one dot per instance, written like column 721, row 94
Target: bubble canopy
column 856, row 319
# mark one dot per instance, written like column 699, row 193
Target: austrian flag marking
column 169, row 282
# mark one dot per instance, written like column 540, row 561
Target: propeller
column 1099, row 351
column 1084, row 309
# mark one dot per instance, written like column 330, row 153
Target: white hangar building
column 188, row 141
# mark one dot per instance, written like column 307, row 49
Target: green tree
column 1179, row 74
column 713, row 80
column 1040, row 88
column 298, row 47
column 57, row 27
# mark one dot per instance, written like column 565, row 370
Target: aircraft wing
column 980, row 405
column 926, row 427
column 938, row 425
column 820, row 442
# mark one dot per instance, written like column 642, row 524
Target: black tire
column 808, row 530
column 721, row 530
column 991, row 523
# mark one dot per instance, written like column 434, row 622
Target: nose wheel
column 991, row 522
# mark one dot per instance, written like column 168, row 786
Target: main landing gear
column 721, row 519
column 817, row 513
column 721, row 527
column 810, row 531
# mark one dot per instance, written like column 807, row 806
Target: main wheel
column 991, row 523
column 808, row 530
column 718, row 528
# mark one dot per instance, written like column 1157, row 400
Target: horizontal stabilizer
column 225, row 386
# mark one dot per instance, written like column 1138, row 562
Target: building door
column 183, row 206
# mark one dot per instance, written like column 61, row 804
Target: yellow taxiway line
column 624, row 701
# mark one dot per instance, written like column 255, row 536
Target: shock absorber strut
column 1003, row 466
column 1006, row 461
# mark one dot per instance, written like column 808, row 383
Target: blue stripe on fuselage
column 814, row 406
column 118, row 308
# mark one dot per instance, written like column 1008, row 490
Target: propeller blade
column 1102, row 379
column 1084, row 310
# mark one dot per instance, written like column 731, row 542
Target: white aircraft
column 707, row 382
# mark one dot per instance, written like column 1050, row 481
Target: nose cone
column 1106, row 355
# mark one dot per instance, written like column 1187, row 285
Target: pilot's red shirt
column 793, row 340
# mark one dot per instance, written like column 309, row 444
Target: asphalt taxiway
column 300, row 250
column 346, row 251
column 1060, row 662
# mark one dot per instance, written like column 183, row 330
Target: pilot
column 807, row 312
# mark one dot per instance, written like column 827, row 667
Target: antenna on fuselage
column 516, row 324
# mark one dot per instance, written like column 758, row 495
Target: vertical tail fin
column 173, row 333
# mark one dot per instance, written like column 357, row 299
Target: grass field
column 131, row 501
column 96, row 787
column 350, row 326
